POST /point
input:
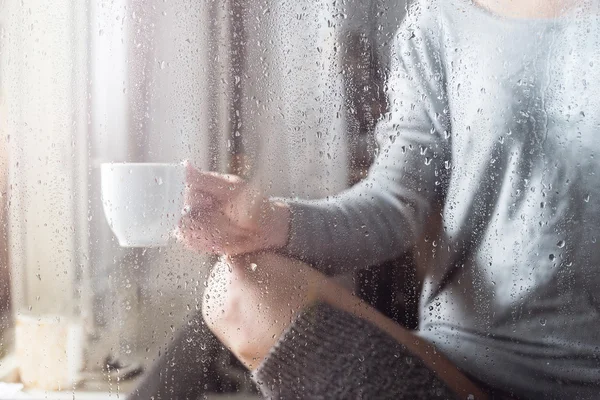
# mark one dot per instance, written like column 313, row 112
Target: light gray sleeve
column 381, row 217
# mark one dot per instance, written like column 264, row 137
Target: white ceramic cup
column 143, row 202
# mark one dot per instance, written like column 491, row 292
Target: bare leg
column 252, row 301
column 192, row 364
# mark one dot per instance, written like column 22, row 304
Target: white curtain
column 155, row 99
column 294, row 107
column 43, row 62
column 293, row 114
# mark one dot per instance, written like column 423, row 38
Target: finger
column 198, row 239
column 217, row 243
column 244, row 246
column 218, row 185
column 213, row 240
column 210, row 221
column 199, row 201
column 202, row 246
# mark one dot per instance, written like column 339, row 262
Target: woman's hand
column 225, row 215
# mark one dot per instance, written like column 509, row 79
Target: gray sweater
column 493, row 126
column 330, row 354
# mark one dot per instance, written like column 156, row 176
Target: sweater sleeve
column 330, row 354
column 382, row 216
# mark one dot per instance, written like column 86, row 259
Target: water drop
column 543, row 321
column 560, row 244
column 552, row 257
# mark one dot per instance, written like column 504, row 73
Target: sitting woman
column 488, row 168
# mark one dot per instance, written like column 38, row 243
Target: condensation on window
column 182, row 185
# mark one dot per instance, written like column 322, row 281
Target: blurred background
column 286, row 93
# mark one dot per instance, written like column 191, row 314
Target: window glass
column 236, row 197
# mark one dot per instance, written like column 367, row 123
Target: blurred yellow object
column 48, row 352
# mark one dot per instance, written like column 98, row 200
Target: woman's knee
column 251, row 300
column 226, row 289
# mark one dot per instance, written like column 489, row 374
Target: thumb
column 221, row 186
